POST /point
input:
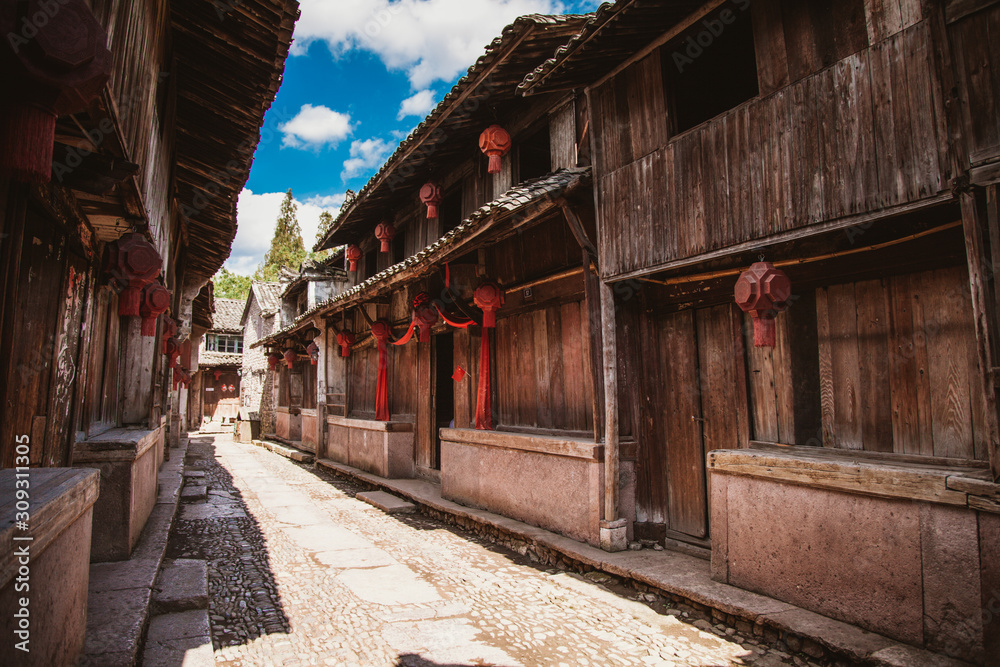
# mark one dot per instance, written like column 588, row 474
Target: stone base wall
column 289, row 426
column 385, row 449
column 552, row 483
column 129, row 461
column 918, row 571
column 309, row 428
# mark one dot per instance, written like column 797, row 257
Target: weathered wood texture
column 977, row 65
column 898, row 367
column 864, row 134
column 544, row 369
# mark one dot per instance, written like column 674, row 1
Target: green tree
column 325, row 223
column 231, row 285
column 287, row 248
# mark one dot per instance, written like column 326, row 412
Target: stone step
column 386, row 502
column 286, row 451
column 179, row 639
column 182, row 585
column 193, row 492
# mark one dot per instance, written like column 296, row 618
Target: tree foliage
column 287, row 248
column 325, row 223
column 231, row 285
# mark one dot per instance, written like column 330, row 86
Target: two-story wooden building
column 851, row 468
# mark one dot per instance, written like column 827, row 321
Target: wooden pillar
column 610, row 356
column 982, row 246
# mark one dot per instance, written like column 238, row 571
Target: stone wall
column 257, row 383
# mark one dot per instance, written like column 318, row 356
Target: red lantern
column 345, row 339
column 489, row 297
column 217, row 374
column 173, row 352
column 169, row 331
column 313, row 351
column 495, row 142
column 155, row 300
column 430, row 194
column 179, row 377
column 425, row 315
column 273, row 360
column 353, row 255
column 232, row 388
column 385, row 233
column 290, row 356
column 134, row 263
column 55, row 62
column 763, row 291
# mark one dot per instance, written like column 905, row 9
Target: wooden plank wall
column 977, row 64
column 543, row 369
column 897, row 370
column 865, row 134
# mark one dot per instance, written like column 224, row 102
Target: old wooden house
column 217, row 371
column 851, row 467
column 126, row 131
column 260, row 319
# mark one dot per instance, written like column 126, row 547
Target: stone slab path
column 300, row 572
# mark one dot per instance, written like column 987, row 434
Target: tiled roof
column 531, row 38
column 512, row 201
column 208, row 359
column 228, row 313
column 268, row 296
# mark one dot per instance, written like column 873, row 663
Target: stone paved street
column 302, row 573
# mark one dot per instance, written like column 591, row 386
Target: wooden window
column 308, row 386
column 283, row 387
column 710, row 68
column 534, row 155
column 450, row 211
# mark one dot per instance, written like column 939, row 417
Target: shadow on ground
column 243, row 598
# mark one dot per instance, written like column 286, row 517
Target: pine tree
column 287, row 248
column 231, row 285
column 325, row 223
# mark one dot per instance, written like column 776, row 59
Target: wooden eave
column 615, row 34
column 449, row 134
column 227, row 71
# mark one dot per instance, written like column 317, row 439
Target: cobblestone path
column 301, row 573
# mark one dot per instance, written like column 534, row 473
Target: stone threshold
column 120, row 592
column 288, row 451
column 679, row 575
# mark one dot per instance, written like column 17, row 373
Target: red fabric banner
column 484, row 397
column 381, row 331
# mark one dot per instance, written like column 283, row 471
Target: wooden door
column 695, row 401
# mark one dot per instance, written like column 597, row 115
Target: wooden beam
column 610, row 367
column 984, row 309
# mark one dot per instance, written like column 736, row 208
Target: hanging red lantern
column 178, row 377
column 425, row 315
column 430, row 194
column 154, row 301
column 381, row 331
column 313, row 351
column 134, row 263
column 169, row 331
column 763, row 291
column 495, row 142
column 489, row 297
column 385, row 233
column 55, row 62
column 173, row 352
column 217, row 375
column 345, row 339
column 290, row 356
column 273, row 360
column 353, row 255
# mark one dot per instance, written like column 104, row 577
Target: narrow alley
column 302, row 573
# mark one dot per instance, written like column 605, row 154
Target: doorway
column 444, row 390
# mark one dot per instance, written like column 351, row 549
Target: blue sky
column 360, row 76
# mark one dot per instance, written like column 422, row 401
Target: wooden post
column 608, row 335
column 981, row 277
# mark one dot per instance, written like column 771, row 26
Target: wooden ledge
column 118, row 444
column 58, row 496
column 539, row 444
column 308, row 412
column 370, row 424
column 863, row 473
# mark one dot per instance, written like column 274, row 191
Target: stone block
column 386, row 502
column 181, row 586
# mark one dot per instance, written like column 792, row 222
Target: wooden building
column 260, row 319
column 215, row 383
column 850, row 469
column 159, row 148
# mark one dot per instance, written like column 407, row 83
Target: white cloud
column 430, row 40
column 315, row 127
column 365, row 155
column 418, row 104
column 256, row 215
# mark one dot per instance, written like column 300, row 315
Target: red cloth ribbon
column 382, row 332
column 484, row 396
column 455, row 323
